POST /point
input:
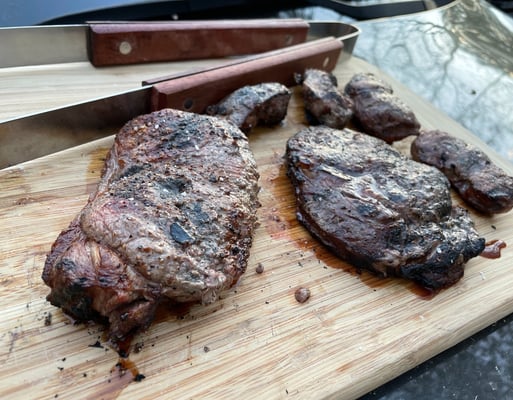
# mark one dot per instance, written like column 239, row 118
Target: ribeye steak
column 378, row 209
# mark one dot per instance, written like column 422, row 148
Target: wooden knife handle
column 131, row 43
column 199, row 90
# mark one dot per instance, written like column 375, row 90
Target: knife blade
column 124, row 43
column 32, row 136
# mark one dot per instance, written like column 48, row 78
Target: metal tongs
column 192, row 91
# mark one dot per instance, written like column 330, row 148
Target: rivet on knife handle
column 131, row 43
column 196, row 92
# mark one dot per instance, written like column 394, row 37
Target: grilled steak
column 379, row 112
column 482, row 184
column 171, row 220
column 378, row 209
column 324, row 103
column 262, row 104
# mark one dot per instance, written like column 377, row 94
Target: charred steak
column 379, row 112
column 171, row 220
column 482, row 184
column 378, row 209
column 324, row 103
column 252, row 105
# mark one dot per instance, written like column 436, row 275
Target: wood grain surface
column 354, row 333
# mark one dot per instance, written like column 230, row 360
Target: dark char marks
column 172, row 220
column 379, row 210
column 480, row 183
column 263, row 104
column 324, row 103
column 378, row 110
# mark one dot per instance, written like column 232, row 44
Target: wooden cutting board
column 355, row 332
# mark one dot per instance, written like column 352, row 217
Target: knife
column 22, row 139
column 123, row 43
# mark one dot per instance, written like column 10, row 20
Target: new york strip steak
column 172, row 219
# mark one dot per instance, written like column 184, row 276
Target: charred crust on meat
column 179, row 234
column 378, row 209
column 479, row 182
column 324, row 103
column 173, row 186
column 378, row 111
column 159, row 227
column 262, row 104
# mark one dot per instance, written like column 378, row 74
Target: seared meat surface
column 480, row 182
column 379, row 112
column 252, row 105
column 324, row 103
column 172, row 220
column 378, row 209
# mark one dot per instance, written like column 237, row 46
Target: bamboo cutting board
column 354, row 333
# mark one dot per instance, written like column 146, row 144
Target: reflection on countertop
column 458, row 58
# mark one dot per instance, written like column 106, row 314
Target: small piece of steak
column 172, row 220
column 480, row 182
column 378, row 209
column 252, row 105
column 379, row 112
column 324, row 103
